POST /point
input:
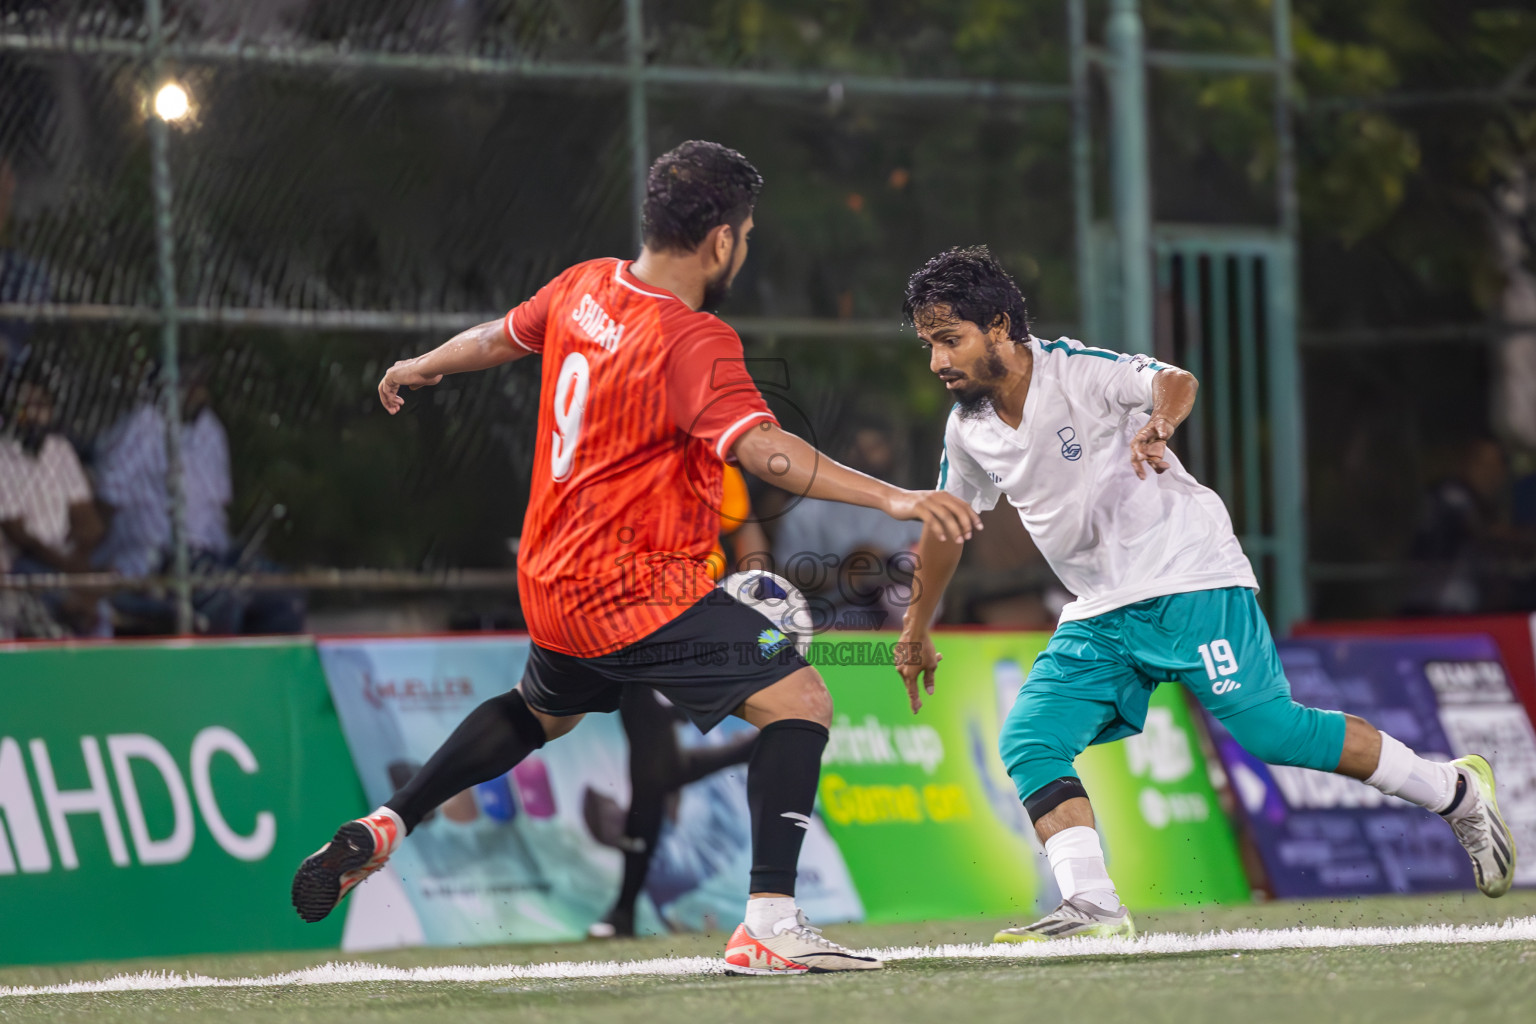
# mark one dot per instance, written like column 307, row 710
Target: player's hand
column 951, row 518
column 402, row 374
column 915, row 656
column 1150, row 447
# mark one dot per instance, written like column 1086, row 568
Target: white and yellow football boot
column 1481, row 829
column 1070, row 921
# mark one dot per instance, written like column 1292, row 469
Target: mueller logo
column 419, row 692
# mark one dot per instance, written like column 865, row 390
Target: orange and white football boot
column 796, row 947
column 357, row 850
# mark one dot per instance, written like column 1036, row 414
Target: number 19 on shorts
column 1220, row 663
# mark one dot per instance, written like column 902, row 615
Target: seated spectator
column 48, row 521
column 1522, row 514
column 841, row 555
column 132, row 476
column 1464, row 532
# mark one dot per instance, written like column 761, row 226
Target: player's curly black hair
column 693, row 189
column 973, row 285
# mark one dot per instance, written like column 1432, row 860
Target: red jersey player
column 645, row 396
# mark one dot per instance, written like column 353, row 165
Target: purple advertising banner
column 1444, row 696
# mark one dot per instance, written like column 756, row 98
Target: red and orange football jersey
column 641, row 401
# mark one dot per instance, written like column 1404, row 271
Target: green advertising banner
column 931, row 826
column 1166, row 839
column 155, row 798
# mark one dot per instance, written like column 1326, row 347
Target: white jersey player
column 1067, row 434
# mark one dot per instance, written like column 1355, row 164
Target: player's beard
column 975, row 398
column 719, row 289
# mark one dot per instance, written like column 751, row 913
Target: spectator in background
column 841, row 555
column 1522, row 514
column 48, row 521
column 132, row 475
column 1522, row 507
column 131, row 470
column 1464, row 531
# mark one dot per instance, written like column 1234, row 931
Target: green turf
column 1482, row 984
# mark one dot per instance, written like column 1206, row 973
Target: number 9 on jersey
column 570, row 407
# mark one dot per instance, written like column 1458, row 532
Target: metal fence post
column 170, row 354
column 1132, row 171
column 1082, row 174
column 1293, row 596
column 639, row 134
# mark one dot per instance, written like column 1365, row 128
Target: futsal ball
column 778, row 600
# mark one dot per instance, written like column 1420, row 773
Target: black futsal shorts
column 706, row 661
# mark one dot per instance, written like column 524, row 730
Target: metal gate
column 1225, row 306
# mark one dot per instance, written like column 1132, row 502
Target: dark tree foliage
column 329, row 189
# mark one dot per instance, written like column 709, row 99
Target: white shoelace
column 810, row 933
column 1070, row 911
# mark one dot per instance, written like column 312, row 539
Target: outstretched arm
column 915, row 653
column 784, row 460
column 479, row 348
column 1173, row 396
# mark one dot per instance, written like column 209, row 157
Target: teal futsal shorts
column 1092, row 683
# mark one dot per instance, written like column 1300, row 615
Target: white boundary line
column 1514, row 930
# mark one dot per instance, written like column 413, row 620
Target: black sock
column 654, row 767
column 641, row 830
column 781, row 792
column 490, row 742
column 642, row 825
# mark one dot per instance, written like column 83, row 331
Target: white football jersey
column 1111, row 539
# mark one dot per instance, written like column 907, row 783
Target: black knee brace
column 1052, row 795
column 522, row 719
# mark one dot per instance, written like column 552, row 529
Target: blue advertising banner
column 534, row 855
column 1325, row 835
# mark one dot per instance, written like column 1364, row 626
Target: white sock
column 1077, row 861
column 765, row 913
column 1402, row 773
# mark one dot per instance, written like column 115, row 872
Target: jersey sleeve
column 960, row 475
column 710, row 394
column 524, row 324
column 1122, row 381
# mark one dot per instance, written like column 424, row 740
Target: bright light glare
column 171, row 102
